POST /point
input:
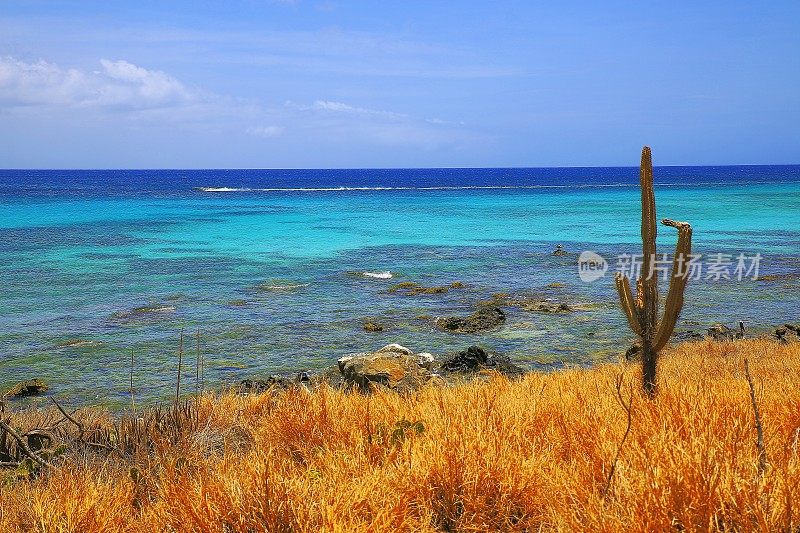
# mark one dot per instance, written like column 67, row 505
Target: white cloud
column 150, row 97
column 334, row 106
column 39, row 83
column 335, row 121
column 339, row 107
column 119, row 84
column 133, row 86
column 444, row 122
column 265, row 131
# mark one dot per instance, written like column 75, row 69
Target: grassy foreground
column 506, row 455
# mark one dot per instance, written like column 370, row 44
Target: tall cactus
column 642, row 311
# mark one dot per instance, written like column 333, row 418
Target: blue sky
column 330, row 83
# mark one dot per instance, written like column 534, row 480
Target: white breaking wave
column 282, row 287
column 450, row 187
column 378, row 275
column 433, row 188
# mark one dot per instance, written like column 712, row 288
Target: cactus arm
column 673, row 223
column 677, row 284
column 628, row 303
column 649, row 231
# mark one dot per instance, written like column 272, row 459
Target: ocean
column 278, row 270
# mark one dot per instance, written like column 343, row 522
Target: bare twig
column 541, row 392
column 202, row 372
column 180, row 366
column 68, row 416
column 627, row 408
column 133, row 396
column 24, row 447
column 101, row 446
column 368, row 425
column 197, row 367
column 762, row 452
column 55, row 425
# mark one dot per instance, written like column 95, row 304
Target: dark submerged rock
column 549, row 307
column 721, row 332
column 274, row 382
column 145, row 311
column 688, row 336
column 372, row 327
column 279, row 286
column 545, row 305
column 412, row 288
column 31, row 387
column 559, row 251
column 76, row 343
column 484, row 318
column 784, row 276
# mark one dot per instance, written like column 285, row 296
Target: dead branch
column 180, row 365
column 101, row 446
column 133, row 394
column 23, row 446
column 627, row 409
column 762, row 452
column 69, row 417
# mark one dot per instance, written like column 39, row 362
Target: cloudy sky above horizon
column 328, row 83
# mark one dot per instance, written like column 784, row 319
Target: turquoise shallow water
column 274, row 279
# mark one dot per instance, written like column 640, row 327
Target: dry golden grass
column 529, row 455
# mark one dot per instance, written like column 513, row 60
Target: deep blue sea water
column 269, row 264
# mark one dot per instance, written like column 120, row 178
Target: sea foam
column 378, row 275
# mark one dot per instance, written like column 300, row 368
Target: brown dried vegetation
column 530, row 454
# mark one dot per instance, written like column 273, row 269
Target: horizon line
column 399, row 168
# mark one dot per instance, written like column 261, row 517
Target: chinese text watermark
column 713, row 267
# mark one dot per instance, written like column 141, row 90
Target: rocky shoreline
column 396, row 367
